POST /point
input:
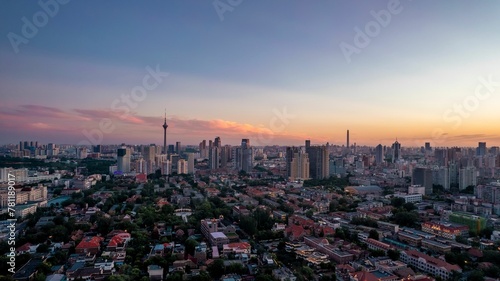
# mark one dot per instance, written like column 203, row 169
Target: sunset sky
column 270, row 71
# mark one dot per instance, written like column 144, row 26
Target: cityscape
column 243, row 140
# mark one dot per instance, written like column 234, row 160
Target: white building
column 414, row 189
column 428, row 264
column 410, row 198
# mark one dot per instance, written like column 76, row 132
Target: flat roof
column 218, row 235
column 435, row 243
column 380, row 274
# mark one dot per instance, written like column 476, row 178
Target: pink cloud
column 140, row 129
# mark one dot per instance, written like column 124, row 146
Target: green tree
column 42, row 248
column 216, row 269
column 476, row 275
column 59, row 233
column 406, row 218
column 393, row 254
column 307, row 272
column 397, row 202
column 373, row 234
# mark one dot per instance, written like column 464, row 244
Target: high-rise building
column 170, row 149
column 347, row 138
column 225, row 156
column 453, row 171
column 182, row 166
column 428, row 146
column 481, row 149
column 379, row 154
column 214, row 158
column 396, row 151
column 97, row 148
column 149, row 152
column 243, row 156
column 467, row 177
column 141, row 166
column 494, row 150
column 123, row 159
column 290, row 151
column 190, row 165
column 441, row 176
column 166, row 167
column 178, row 147
column 217, row 142
column 214, row 154
column 246, row 155
column 299, row 166
column 423, row 177
column 441, row 155
column 203, row 149
column 489, row 193
column 318, row 162
column 81, row 152
column 454, row 154
column 174, row 160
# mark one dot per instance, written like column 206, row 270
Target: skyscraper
column 299, row 166
column 97, row 148
column 214, row 158
column 347, row 138
column 379, row 154
column 290, row 152
column 481, row 149
column 190, row 163
column 203, row 149
column 123, row 159
column 165, row 126
column 217, row 142
column 243, row 156
column 178, row 147
column 318, row 162
column 441, row 155
column 423, row 177
column 396, row 151
column 225, row 155
column 246, row 155
column 182, row 166
column 467, row 176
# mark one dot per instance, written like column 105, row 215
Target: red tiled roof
column 433, row 260
column 475, row 253
column 90, row 242
column 240, row 245
column 24, row 248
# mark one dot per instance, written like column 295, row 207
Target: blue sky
column 262, row 57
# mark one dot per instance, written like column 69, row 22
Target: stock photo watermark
column 11, row 227
column 363, row 37
column 456, row 114
column 39, row 19
column 124, row 105
column 277, row 124
column 223, row 6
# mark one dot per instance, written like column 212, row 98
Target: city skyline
column 270, row 73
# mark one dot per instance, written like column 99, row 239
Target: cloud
column 40, row 125
column 141, row 129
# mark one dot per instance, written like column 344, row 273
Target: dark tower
column 347, row 138
column 165, row 126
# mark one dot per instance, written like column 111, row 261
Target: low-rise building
column 445, row 230
column 429, row 264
